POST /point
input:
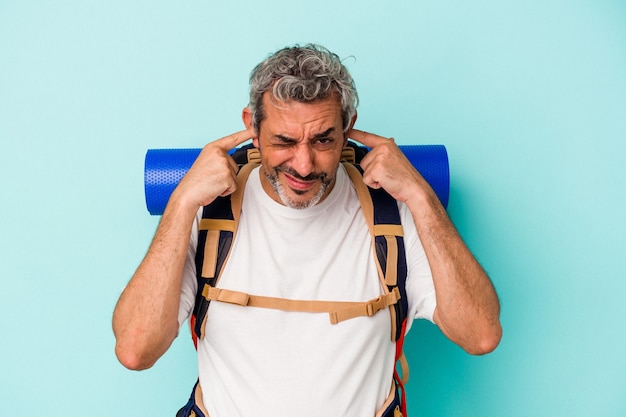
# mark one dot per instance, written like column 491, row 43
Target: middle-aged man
column 302, row 235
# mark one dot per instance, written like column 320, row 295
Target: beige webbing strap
column 209, row 262
column 236, row 198
column 389, row 231
column 215, row 226
column 391, row 277
column 338, row 311
column 388, row 401
column 348, row 155
column 254, row 156
column 364, row 196
column 199, row 400
column 404, row 368
column 368, row 308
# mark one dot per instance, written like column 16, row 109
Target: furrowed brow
column 320, row 135
column 324, row 134
column 285, row 139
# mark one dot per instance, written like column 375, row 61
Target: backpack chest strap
column 338, row 311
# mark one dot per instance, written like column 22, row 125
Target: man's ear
column 350, row 126
column 246, row 115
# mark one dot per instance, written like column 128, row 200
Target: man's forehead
column 296, row 130
column 308, row 135
column 319, row 118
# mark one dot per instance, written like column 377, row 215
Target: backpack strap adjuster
column 366, row 309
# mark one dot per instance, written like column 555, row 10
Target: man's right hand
column 145, row 320
column 213, row 174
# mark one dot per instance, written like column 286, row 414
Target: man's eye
column 324, row 141
column 283, row 142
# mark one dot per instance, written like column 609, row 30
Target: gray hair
column 305, row 74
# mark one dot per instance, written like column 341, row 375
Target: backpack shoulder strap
column 216, row 233
column 383, row 220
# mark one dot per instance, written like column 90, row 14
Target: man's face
column 300, row 146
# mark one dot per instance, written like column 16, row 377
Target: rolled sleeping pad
column 164, row 168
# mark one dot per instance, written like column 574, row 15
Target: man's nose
column 303, row 159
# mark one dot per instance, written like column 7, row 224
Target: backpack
column 217, row 230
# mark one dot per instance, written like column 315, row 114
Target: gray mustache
column 311, row 177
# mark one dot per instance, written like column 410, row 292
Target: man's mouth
column 297, row 184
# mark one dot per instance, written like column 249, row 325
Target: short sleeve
column 419, row 285
column 189, row 283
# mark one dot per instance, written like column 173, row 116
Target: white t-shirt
column 257, row 362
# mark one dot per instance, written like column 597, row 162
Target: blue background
column 529, row 98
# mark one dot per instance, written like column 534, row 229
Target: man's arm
column 145, row 320
column 468, row 310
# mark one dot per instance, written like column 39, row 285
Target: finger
column 229, row 189
column 232, row 141
column 368, row 139
column 372, row 184
column 234, row 167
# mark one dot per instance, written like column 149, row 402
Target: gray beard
column 299, row 205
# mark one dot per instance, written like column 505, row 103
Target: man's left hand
column 385, row 166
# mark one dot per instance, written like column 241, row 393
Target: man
column 301, row 236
